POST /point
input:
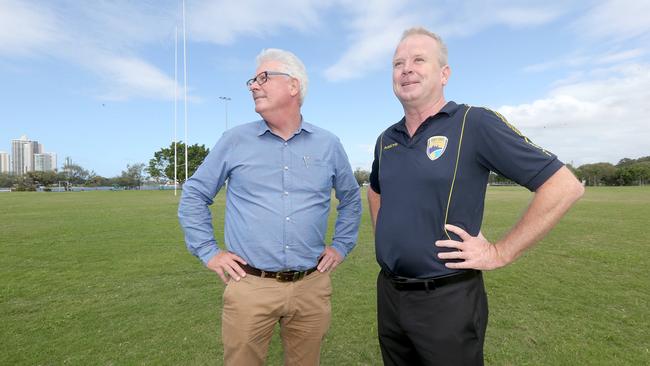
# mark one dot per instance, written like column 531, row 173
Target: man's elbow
column 578, row 190
column 572, row 188
column 563, row 185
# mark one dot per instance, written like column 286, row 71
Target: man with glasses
column 280, row 173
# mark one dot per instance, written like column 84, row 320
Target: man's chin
column 406, row 97
column 259, row 105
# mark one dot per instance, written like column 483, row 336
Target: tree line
column 73, row 175
column 160, row 170
column 628, row 172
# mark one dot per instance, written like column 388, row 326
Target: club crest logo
column 436, row 146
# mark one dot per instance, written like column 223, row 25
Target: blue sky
column 94, row 80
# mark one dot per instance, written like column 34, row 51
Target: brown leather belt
column 285, row 276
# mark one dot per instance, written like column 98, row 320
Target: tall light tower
column 225, row 101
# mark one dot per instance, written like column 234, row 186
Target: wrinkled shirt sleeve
column 349, row 208
column 198, row 193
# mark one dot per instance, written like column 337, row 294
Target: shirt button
column 286, row 167
column 286, row 193
column 286, row 247
column 287, row 218
column 286, row 144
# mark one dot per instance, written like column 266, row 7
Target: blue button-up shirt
column 278, row 197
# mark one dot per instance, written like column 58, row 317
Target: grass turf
column 103, row 278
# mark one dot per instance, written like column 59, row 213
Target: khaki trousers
column 252, row 307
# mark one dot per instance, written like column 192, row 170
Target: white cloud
column 375, row 29
column 522, row 17
column 100, row 36
column 617, row 57
column 132, row 77
column 615, row 19
column 580, row 59
column 222, row 21
column 599, row 111
column 591, row 120
column 26, row 29
column 377, row 25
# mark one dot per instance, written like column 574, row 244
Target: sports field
column 103, row 278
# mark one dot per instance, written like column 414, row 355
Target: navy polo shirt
column 440, row 176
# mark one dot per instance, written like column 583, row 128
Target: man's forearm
column 346, row 229
column 374, row 201
column 196, row 220
column 551, row 201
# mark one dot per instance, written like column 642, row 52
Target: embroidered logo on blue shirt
column 390, row 146
column 436, row 146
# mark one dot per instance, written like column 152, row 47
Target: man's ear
column 446, row 74
column 294, row 87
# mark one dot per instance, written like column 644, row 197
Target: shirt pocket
column 315, row 175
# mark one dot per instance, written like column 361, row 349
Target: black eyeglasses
column 263, row 77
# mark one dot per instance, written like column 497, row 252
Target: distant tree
column 25, row 182
column 75, row 174
column 362, row 176
column 132, row 177
column 598, row 174
column 98, row 181
column 627, row 161
column 634, row 174
column 7, row 180
column 43, row 178
column 161, row 167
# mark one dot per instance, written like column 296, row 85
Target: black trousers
column 443, row 326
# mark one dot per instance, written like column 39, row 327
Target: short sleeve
column 374, row 172
column 504, row 150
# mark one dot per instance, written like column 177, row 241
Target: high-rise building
column 45, row 162
column 4, row 162
column 22, row 151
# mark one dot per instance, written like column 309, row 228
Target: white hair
column 291, row 65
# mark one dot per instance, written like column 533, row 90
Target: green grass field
column 103, row 278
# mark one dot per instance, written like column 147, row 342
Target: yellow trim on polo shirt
column 453, row 180
column 503, row 119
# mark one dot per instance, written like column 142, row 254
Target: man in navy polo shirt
column 426, row 196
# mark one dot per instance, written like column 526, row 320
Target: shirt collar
column 449, row 109
column 263, row 127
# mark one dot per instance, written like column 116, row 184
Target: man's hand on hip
column 226, row 264
column 329, row 259
column 475, row 251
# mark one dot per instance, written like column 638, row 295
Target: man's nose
column 407, row 68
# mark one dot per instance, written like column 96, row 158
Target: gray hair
column 442, row 55
column 290, row 64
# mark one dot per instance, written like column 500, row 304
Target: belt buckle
column 283, row 276
column 289, row 276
